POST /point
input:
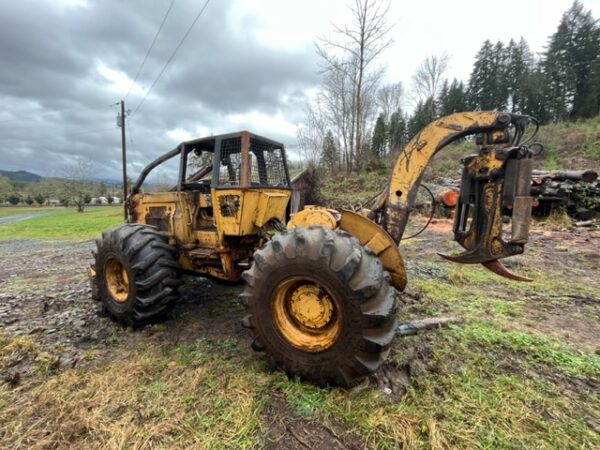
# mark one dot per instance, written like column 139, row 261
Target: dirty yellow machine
column 320, row 286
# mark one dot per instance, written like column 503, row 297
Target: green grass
column 534, row 349
column 483, row 388
column 64, row 224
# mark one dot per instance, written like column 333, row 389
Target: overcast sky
column 245, row 65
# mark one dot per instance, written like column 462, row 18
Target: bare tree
column 76, row 184
column 351, row 57
column 428, row 77
column 336, row 99
column 389, row 99
column 312, row 134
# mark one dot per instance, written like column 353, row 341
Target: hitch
column 494, row 180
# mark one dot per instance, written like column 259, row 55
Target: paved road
column 25, row 216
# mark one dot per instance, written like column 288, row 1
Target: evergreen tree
column 329, row 155
column 482, row 77
column 488, row 89
column 500, row 83
column 534, row 94
column 454, row 99
column 425, row 112
column 39, row 198
column 442, row 97
column 518, row 69
column 397, row 133
column 570, row 66
column 586, row 53
column 595, row 88
column 379, row 139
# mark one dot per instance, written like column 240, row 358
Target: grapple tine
column 499, row 269
column 474, row 256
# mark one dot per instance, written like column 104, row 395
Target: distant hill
column 20, row 175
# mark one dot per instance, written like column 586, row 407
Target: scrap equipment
column 320, row 284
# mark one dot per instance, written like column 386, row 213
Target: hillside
column 567, row 145
column 20, row 175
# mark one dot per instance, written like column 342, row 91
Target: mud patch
column 291, row 432
column 393, row 381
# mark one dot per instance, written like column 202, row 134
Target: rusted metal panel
column 157, row 216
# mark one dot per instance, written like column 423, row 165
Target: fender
column 366, row 231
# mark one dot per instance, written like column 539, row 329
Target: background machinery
column 320, row 286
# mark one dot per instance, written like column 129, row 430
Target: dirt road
column 18, row 217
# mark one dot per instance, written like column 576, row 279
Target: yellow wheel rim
column 117, row 280
column 306, row 314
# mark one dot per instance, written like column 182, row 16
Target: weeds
column 171, row 405
column 557, row 219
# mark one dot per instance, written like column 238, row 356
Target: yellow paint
column 255, row 208
column 271, row 205
column 306, row 315
column 373, row 236
column 310, row 306
column 207, row 223
column 314, row 215
column 366, row 231
column 178, row 211
column 116, row 280
column 415, row 157
column 207, row 239
column 244, row 211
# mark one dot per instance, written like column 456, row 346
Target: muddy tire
column 320, row 305
column 136, row 274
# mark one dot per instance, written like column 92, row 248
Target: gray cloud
column 52, row 94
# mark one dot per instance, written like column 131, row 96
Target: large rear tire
column 136, row 274
column 320, row 305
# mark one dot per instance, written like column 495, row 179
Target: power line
column 150, row 49
column 170, row 58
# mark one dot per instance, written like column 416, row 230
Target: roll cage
column 241, row 159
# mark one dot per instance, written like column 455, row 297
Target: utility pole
column 121, row 123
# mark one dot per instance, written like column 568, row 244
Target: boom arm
column 492, row 180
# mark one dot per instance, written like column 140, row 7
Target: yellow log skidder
column 320, row 285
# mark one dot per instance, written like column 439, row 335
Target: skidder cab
column 230, row 188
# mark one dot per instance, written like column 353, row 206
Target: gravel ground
column 45, row 295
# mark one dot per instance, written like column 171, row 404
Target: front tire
column 136, row 274
column 320, row 305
